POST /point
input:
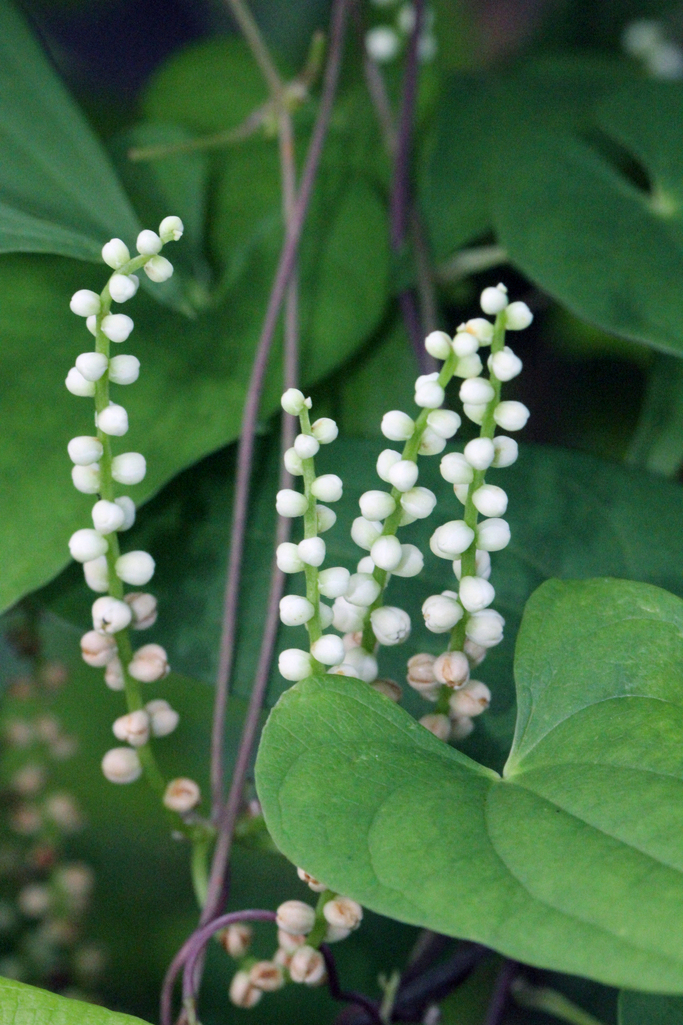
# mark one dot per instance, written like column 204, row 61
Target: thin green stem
column 550, row 1001
column 199, row 866
column 311, row 530
column 317, row 934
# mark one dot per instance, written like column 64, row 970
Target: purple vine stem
column 350, row 996
column 501, row 993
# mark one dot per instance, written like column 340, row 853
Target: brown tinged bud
column 473, row 699
column 336, row 933
column 461, row 727
column 475, row 652
column 343, row 913
column 113, row 675
column 437, row 724
column 182, row 795
column 452, row 668
column 307, row 966
column 282, row 957
column 389, row 688
column 236, row 939
column 421, row 669
column 295, row 917
column 150, row 663
column 266, row 976
column 144, row 609
column 290, row 942
column 352, row 640
column 311, row 881
column 97, row 649
column 242, row 992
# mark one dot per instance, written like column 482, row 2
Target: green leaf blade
column 27, row 1005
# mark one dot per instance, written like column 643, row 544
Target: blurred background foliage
column 543, row 151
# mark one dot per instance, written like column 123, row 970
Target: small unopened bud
column 473, row 699
column 113, row 420
column 441, row 612
column 148, row 243
column 437, row 724
column 485, row 628
column 97, row 649
column 385, row 460
column 325, row 430
column 293, row 401
column 469, row 366
column 365, row 532
column 333, row 582
column 346, row 616
column 481, row 329
column 313, row 883
column 518, row 316
column 266, row 976
column 363, row 663
column 136, row 568
column 431, row 443
column 511, row 416
column 325, row 517
column 85, row 303
column 428, row 392
column 113, row 675
column 144, row 609
column 293, row 463
column 236, row 939
column 376, row 505
column 290, row 942
column 162, row 718
column 121, row 765
column 295, row 917
column 306, row 446
column 443, row 422
column 312, row 551
column 307, row 966
column 451, row 539
column 505, row 364
column 507, row 451
column 87, row 479
column 412, row 562
column 455, row 469
column 182, row 795
column 390, row 625
column 171, row 229
column 115, row 253
column 421, row 670
column 438, row 344
column 92, row 365
column 117, row 326
column 343, row 913
column 242, row 992
column 110, row 615
column 290, row 503
column 494, row 300
column 294, row 664
column 461, row 727
column 482, row 562
column 386, row 552
column 107, row 516
column 397, row 426
column 493, row 535
column 123, row 287
column 476, row 593
column 389, row 688
column 149, row 663
column 295, row 610
column 328, row 649
column 475, row 652
column 328, row 488
column 77, row 384
column 87, row 544
column 477, row 391
column 158, row 269
column 132, row 728
column 128, row 468
column 452, row 669
column 479, row 453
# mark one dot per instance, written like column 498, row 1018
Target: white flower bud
column 511, row 416
column 117, row 326
column 451, row 539
column 128, row 468
column 242, row 993
column 385, row 461
column 461, row 726
column 481, row 328
column 325, row 518
column 476, row 391
column 121, row 765
column 148, row 243
column 328, row 488
column 465, row 343
column 475, row 652
column 85, row 450
column 479, row 453
column 443, row 422
column 236, row 939
column 293, row 463
column 421, row 671
column 182, row 795
column 295, row 610
column 295, row 917
column 363, row 663
column 123, row 287
column 113, row 675
column 490, row 500
column 494, row 300
column 77, row 384
column 294, row 664
column 391, row 690
column 431, row 443
column 135, row 568
column 343, row 669
column 127, row 507
column 455, row 469
column 493, row 535
column 412, row 562
column 485, row 628
column 290, row 503
column 107, row 516
column 438, row 344
column 328, row 649
column 403, row 474
column 306, row 446
column 343, row 913
column 437, row 724
column 97, row 649
column 390, row 625
column 452, row 669
column 266, row 976
column 517, row 317
column 441, row 612
column 376, row 505
column 346, row 617
column 171, row 229
column 311, row 881
column 325, row 430
column 365, row 532
column 482, row 563
column 461, row 492
column 85, row 303
column 97, row 574
column 124, row 369
column 473, row 699
column 386, row 552
column 366, row 565
column 132, row 728
column 325, row 614
column 429, row 395
column 362, row 590
column 149, row 663
column 505, row 364
column 418, row 502
column 476, row 593
column 115, row 253
column 312, row 551
column 469, row 366
column 288, row 558
column 91, row 365
column 333, row 582
column 162, row 718
column 382, row 43
column 474, row 413
column 86, row 545
column 293, row 401
column 144, row 609
column 307, row 965
column 158, row 269
column 397, row 426
column 506, row 449
column 113, row 420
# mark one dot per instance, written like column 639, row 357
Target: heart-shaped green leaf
column 570, row 860
column 26, row 1005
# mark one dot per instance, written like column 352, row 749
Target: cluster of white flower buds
column 300, row 930
column 385, row 42
column 95, row 472
column 648, row 41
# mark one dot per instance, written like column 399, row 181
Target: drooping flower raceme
column 97, row 471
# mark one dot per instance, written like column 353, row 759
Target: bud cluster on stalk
column 97, row 471
column 387, row 40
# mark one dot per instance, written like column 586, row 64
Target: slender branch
column 374, row 80
column 257, row 45
column 344, row 996
column 469, row 261
column 501, row 993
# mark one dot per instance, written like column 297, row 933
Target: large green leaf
column 26, row 1005
column 58, row 190
column 646, row 1009
column 572, row 858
